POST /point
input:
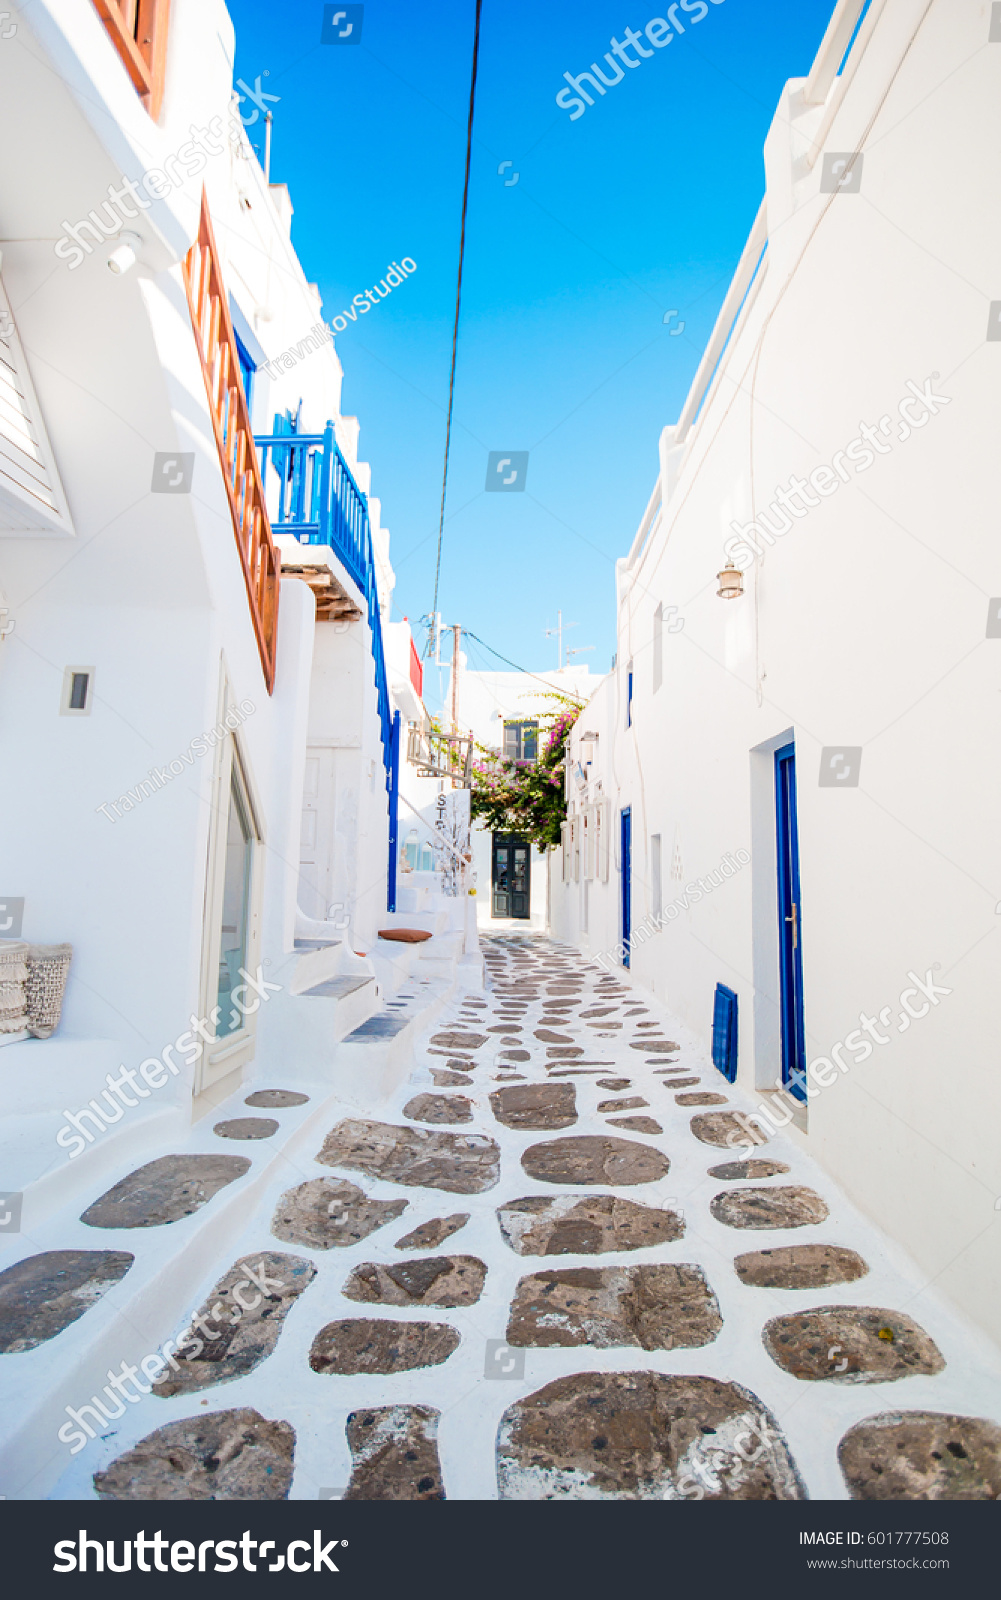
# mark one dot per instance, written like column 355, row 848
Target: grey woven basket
column 13, row 974
column 45, row 985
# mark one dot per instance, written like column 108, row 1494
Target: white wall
column 865, row 623
column 149, row 592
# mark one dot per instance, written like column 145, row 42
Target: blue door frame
column 626, row 855
column 790, row 924
column 394, row 813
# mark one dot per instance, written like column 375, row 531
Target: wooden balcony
column 217, row 351
column 138, row 31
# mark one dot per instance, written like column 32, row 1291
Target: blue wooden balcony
column 319, row 503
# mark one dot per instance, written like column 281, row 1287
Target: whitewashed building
column 503, row 710
column 202, row 699
column 783, row 815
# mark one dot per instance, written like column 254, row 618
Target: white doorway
column 316, row 838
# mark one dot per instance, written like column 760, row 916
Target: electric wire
column 455, row 328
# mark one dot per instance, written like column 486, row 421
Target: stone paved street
column 535, row 1269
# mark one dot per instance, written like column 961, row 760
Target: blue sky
column 639, row 206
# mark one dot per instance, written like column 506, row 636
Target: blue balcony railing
column 319, row 503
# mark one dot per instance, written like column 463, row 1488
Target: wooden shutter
column 31, row 497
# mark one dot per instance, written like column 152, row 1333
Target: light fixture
column 731, row 582
column 125, row 252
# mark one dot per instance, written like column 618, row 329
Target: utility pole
column 456, row 636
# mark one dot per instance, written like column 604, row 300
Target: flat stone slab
column 536, row 1105
column 654, row 1046
column 330, row 1214
column 450, row 1080
column 374, row 1345
column 649, row 1307
column 757, row 1167
column 218, row 1455
column 643, row 1436
column 461, row 1163
column 790, row 1206
column 570, row 1224
column 431, row 1234
column 247, row 1128
column 633, row 1103
column 726, row 1129
column 164, row 1190
column 43, row 1294
column 922, row 1455
column 563, row 1052
column 595, row 1159
column 703, row 1099
column 515, row 1055
column 599, row 1011
column 427, row 1281
column 681, row 1083
column 614, row 1083
column 448, row 1108
column 239, row 1324
column 800, row 1266
column 459, row 1041
column 851, row 1344
column 548, row 1036
column 636, row 1124
column 275, row 1099
column 505, row 1027
column 394, row 1454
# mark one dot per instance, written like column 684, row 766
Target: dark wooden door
column 512, row 876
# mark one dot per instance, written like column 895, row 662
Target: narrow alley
column 379, row 1316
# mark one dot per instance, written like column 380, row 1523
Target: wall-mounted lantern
column 731, row 582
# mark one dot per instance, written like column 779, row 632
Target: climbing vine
column 527, row 797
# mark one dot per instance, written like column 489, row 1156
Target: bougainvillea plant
column 526, row 798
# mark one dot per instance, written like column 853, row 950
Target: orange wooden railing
column 217, row 351
column 138, row 31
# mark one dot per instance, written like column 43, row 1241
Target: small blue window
column 629, row 697
column 725, row 1032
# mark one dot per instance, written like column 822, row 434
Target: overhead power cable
column 556, row 688
column 455, row 329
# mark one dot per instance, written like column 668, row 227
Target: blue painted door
column 790, row 924
column 627, row 894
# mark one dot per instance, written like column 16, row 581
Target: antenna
column 558, row 630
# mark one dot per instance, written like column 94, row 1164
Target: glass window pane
column 235, row 910
column 530, row 741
